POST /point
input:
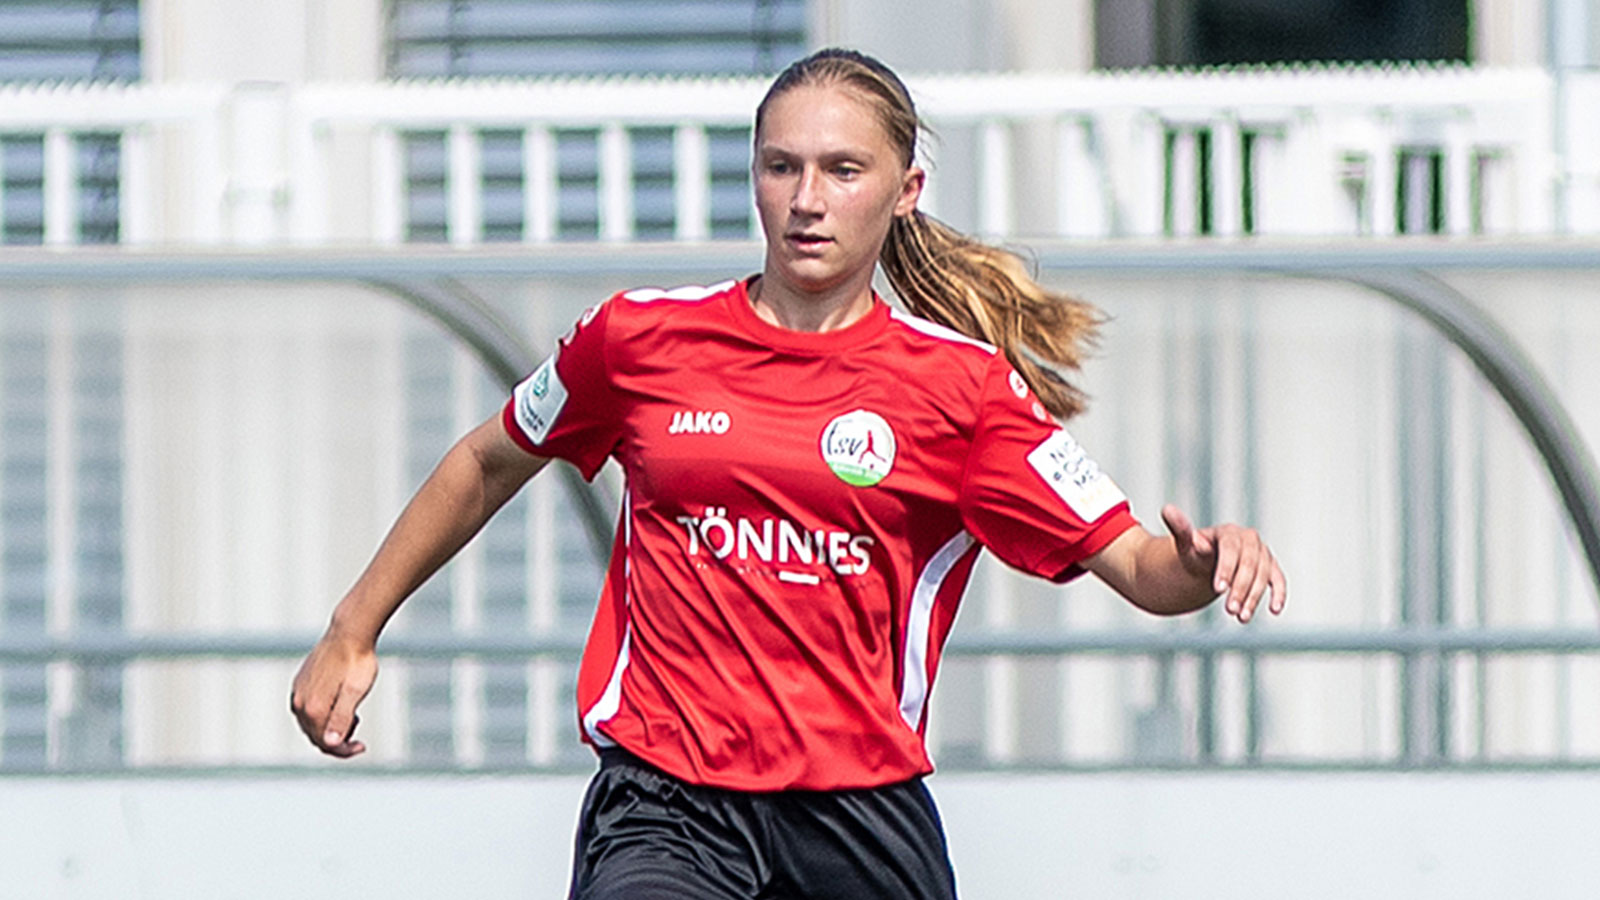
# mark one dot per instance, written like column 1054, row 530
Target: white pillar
column 256, row 164
column 136, row 201
column 308, row 186
column 1081, row 209
column 616, row 183
column 1383, row 180
column 282, row 43
column 538, row 185
column 691, row 171
column 205, row 178
column 1147, row 175
column 60, row 187
column 1458, row 163
column 1183, row 204
column 1227, row 176
column 994, row 166
column 464, row 223
column 388, row 187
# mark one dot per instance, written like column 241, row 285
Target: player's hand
column 1238, row 562
column 333, row 680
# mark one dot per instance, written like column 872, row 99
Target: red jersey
column 802, row 514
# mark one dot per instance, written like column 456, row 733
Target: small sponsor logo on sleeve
column 1018, row 386
column 1075, row 478
column 538, row 401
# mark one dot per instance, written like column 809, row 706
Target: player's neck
column 828, row 310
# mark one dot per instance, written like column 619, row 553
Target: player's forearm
column 1159, row 583
column 461, row 494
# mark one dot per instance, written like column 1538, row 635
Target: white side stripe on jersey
column 686, row 292
column 934, row 329
column 914, row 690
column 611, row 698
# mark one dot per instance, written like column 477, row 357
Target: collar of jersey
column 856, row 333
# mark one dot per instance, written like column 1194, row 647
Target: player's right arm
column 473, row 480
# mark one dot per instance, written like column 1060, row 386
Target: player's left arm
column 1192, row 567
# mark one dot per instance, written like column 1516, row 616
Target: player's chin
column 813, row 276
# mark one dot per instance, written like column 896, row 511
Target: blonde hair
column 939, row 273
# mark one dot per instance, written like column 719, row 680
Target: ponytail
column 987, row 293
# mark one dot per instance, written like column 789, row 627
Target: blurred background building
column 206, row 428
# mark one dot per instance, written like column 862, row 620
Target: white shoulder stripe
column 934, row 329
column 686, row 292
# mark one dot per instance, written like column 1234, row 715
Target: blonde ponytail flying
column 943, row 275
column 986, row 293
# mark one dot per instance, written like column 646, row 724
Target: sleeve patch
column 539, row 400
column 1075, row 478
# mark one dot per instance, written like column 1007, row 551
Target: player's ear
column 910, row 191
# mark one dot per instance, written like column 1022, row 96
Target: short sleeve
column 568, row 408
column 1030, row 493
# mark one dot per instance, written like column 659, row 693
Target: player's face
column 828, row 182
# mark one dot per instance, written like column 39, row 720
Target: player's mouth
column 806, row 241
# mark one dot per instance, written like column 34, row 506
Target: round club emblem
column 859, row 448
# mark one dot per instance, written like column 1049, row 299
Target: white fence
column 1295, row 152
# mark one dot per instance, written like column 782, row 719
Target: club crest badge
column 859, row 447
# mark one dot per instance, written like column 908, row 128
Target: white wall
column 962, row 35
column 1508, row 33
column 287, row 41
column 1113, row 836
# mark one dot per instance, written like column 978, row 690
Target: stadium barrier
column 200, row 449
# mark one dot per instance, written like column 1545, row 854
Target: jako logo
column 859, row 448
column 687, row 421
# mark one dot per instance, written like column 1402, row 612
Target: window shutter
column 69, row 40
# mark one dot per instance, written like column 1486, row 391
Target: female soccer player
column 810, row 477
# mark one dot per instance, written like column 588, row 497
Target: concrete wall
column 1337, row 836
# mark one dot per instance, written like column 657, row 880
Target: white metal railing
column 193, row 116
column 1135, row 155
column 1296, row 151
column 536, row 109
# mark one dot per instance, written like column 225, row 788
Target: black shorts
column 644, row 834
